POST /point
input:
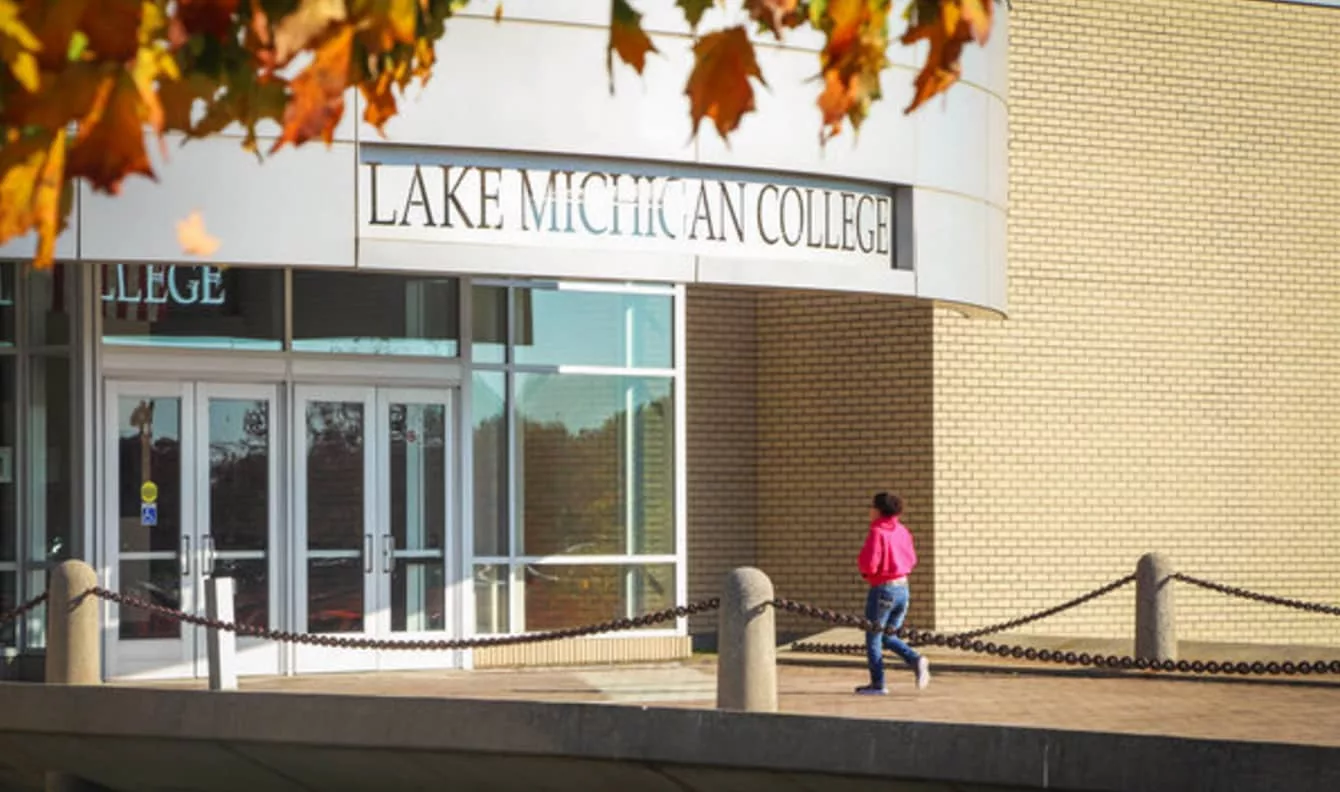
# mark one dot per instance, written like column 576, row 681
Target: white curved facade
column 533, row 92
column 433, row 384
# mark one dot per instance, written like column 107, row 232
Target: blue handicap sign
column 149, row 514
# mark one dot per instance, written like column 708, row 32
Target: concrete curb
column 145, row 738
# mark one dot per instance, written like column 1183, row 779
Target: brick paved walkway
column 1274, row 711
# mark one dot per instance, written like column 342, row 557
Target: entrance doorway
column 372, row 499
column 192, row 492
column 330, row 506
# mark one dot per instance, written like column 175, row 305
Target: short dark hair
column 888, row 504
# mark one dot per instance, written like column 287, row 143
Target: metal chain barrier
column 1242, row 593
column 967, row 641
column 1086, row 659
column 1042, row 614
column 482, row 642
column 23, row 610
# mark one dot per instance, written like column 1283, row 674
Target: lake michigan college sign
column 723, row 216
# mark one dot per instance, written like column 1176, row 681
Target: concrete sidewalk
column 1303, row 711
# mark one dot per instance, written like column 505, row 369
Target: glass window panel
column 595, row 466
column 239, row 474
column 35, row 636
column 488, row 403
column 378, row 314
column 9, row 600
column 334, row 595
column 492, row 598
column 489, row 306
column 418, row 450
column 335, row 475
column 568, row 327
column 49, row 465
column 201, row 307
column 8, row 277
column 149, row 449
column 9, row 533
column 50, row 296
column 559, row 596
column 418, row 595
column 157, row 580
column 251, row 589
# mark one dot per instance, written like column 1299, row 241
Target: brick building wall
column 1166, row 379
column 845, row 386
column 801, row 406
column 722, row 383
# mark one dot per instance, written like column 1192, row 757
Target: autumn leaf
column 193, row 238
column 53, row 24
column 381, row 103
column 178, row 97
column 318, row 93
column 389, row 22
column 209, row 18
column 18, row 46
column 109, row 145
column 297, row 31
column 31, row 191
column 627, row 38
column 854, row 54
column 694, row 10
column 719, row 87
column 947, row 26
column 112, row 28
column 776, row 15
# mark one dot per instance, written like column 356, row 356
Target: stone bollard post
column 747, row 643
column 221, row 644
column 74, row 642
column 1155, row 617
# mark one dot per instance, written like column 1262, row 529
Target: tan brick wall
column 844, row 411
column 1167, row 378
column 722, row 384
column 801, row 405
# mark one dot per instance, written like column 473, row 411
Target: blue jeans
column 886, row 606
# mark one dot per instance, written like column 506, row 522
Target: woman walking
column 886, row 559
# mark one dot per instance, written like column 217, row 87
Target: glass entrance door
column 190, row 493
column 372, row 504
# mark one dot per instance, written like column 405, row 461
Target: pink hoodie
column 888, row 553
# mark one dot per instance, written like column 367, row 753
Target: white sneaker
column 923, row 673
column 871, row 690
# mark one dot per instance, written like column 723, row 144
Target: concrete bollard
column 221, row 644
column 1155, row 617
column 74, row 642
column 747, row 644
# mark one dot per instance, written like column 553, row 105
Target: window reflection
column 377, row 314
column 560, row 596
column 595, row 464
column 202, row 307
column 490, row 464
column 570, row 327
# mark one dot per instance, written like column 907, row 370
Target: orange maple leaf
column 318, row 93
column 627, row 38
column 947, row 26
column 719, row 87
column 109, row 145
column 854, row 54
column 193, row 238
column 32, row 181
column 775, row 15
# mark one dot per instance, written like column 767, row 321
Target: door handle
column 388, row 552
column 208, row 569
column 367, row 553
column 185, row 556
